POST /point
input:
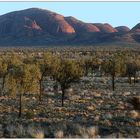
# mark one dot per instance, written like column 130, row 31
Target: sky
column 114, row 13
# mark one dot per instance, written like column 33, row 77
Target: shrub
column 135, row 101
column 29, row 114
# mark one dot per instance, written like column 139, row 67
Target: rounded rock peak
column 105, row 28
column 81, row 26
column 122, row 29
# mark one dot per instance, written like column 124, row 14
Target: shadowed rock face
column 122, row 29
column 105, row 28
column 81, row 27
column 136, row 28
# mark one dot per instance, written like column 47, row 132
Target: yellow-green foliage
column 3, row 67
column 115, row 65
column 68, row 72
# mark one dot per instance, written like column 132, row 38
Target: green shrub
column 29, row 114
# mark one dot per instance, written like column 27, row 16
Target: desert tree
column 16, row 75
column 45, row 69
column 137, row 61
column 87, row 66
column 3, row 72
column 114, row 66
column 131, row 70
column 34, row 74
column 96, row 64
column 90, row 64
column 22, row 79
column 6, row 62
column 67, row 72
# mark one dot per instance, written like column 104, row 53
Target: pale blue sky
column 115, row 13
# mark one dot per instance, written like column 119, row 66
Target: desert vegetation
column 88, row 92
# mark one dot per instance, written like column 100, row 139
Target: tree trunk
column 86, row 72
column 40, row 89
column 62, row 99
column 3, row 82
column 134, row 79
column 20, row 105
column 130, row 81
column 113, row 82
column 55, row 88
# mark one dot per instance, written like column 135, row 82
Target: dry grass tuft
column 92, row 132
column 134, row 114
column 59, row 134
column 36, row 132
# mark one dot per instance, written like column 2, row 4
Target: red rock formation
column 59, row 25
column 80, row 26
column 105, row 28
column 37, row 19
column 122, row 29
column 43, row 26
column 136, row 28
